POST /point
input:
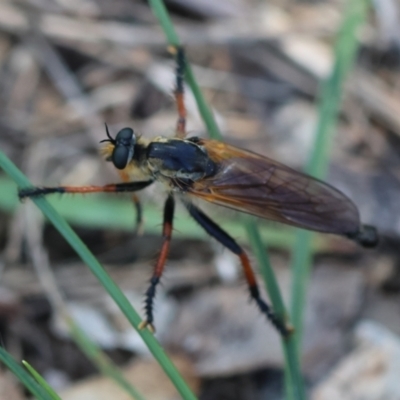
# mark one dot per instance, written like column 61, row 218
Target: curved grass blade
column 294, row 385
column 113, row 290
column 346, row 48
column 28, row 381
column 41, row 381
column 100, row 359
column 161, row 13
column 108, row 212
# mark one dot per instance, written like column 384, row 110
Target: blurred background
column 69, row 66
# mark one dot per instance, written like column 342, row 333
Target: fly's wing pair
column 257, row 185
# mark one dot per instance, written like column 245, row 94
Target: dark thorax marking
column 179, row 159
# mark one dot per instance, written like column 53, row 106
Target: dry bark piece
column 9, row 390
column 226, row 335
column 370, row 372
column 145, row 375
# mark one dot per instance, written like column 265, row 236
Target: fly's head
column 123, row 147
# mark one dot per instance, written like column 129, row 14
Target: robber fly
column 228, row 176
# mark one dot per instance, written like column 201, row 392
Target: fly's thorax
column 178, row 159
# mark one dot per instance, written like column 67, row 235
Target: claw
column 172, row 49
column 148, row 325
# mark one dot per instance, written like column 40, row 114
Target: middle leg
column 139, row 215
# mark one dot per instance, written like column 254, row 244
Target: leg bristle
column 271, row 316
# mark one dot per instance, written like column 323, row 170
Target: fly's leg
column 159, row 267
column 216, row 232
column 139, row 215
column 179, row 90
column 113, row 188
column 137, row 204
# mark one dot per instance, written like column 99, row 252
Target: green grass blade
column 106, row 281
column 266, row 270
column 161, row 13
column 345, row 51
column 116, row 212
column 8, row 202
column 296, row 383
column 93, row 353
column 301, row 269
column 41, row 381
column 205, row 111
column 27, row 380
column 99, row 359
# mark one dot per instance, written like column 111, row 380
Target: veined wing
column 257, row 185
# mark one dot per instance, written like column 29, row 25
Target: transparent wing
column 257, row 185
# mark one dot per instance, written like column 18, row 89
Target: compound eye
column 120, row 157
column 125, row 136
column 124, row 148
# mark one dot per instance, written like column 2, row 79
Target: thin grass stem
column 331, row 92
column 295, row 382
column 24, row 377
column 41, row 381
column 113, row 290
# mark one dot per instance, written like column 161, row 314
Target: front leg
column 113, row 188
column 159, row 267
